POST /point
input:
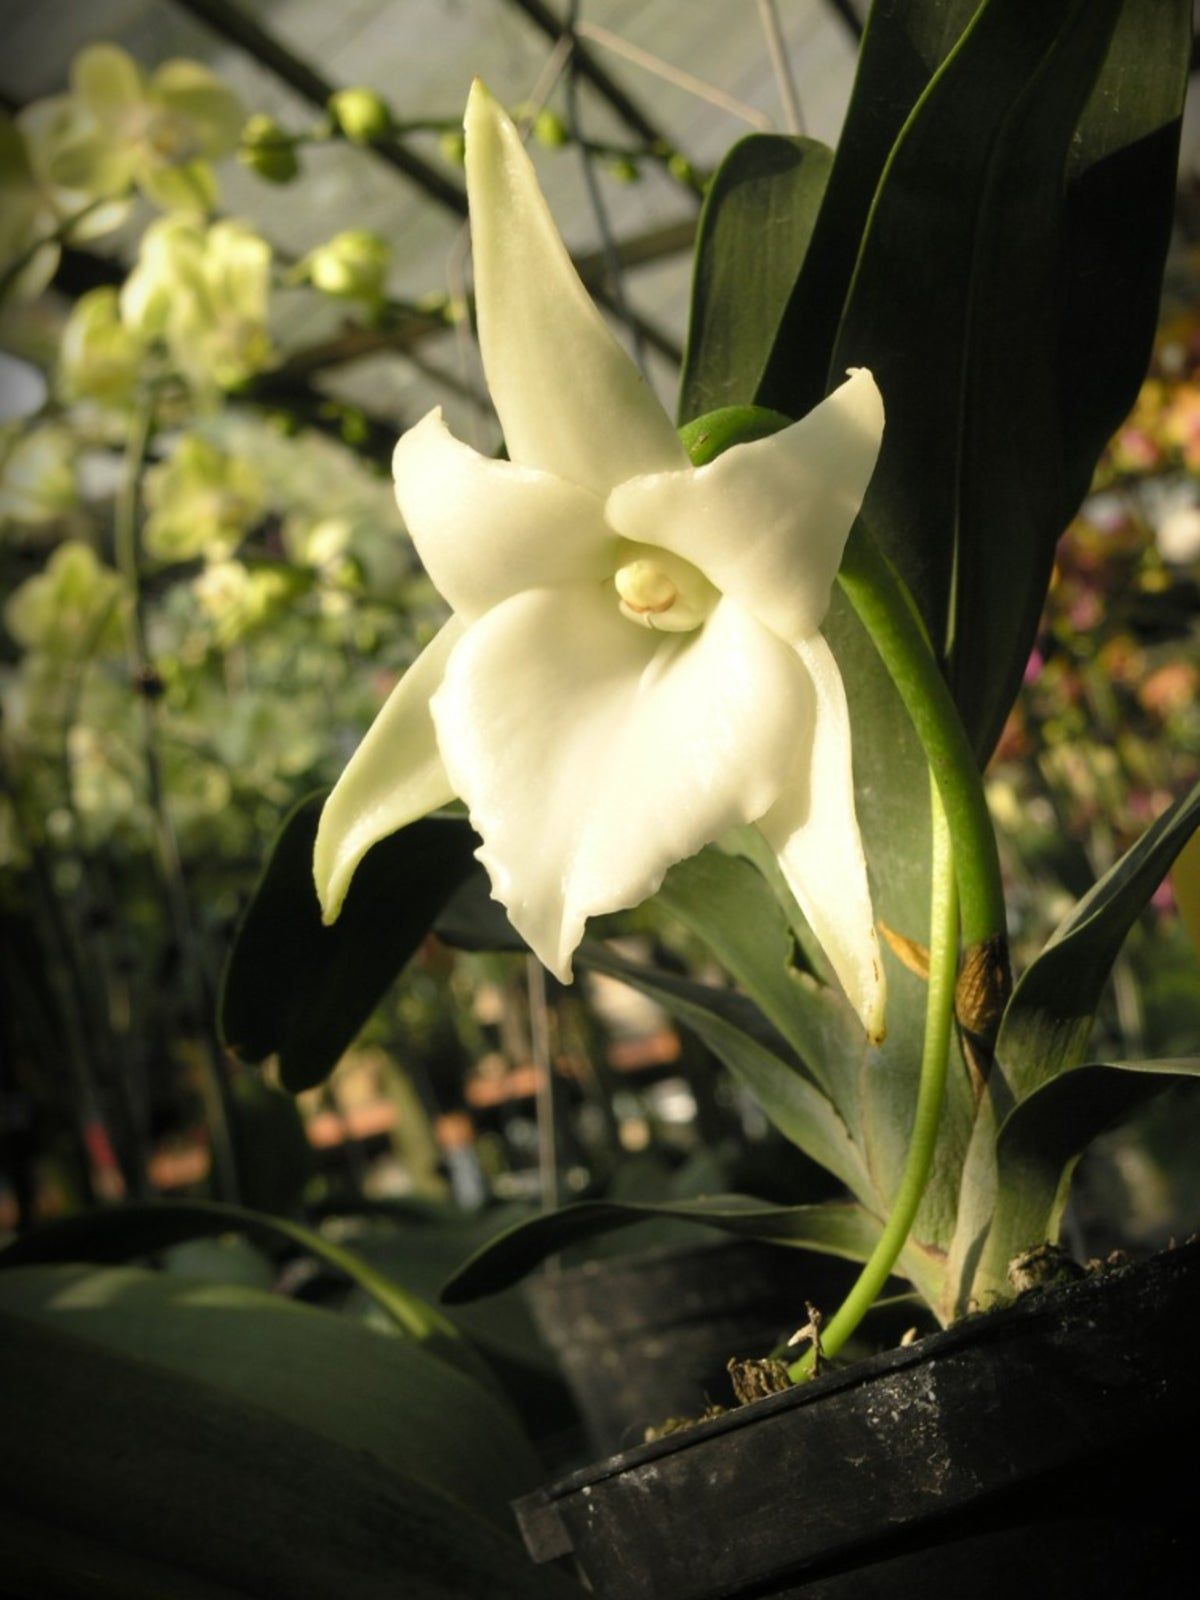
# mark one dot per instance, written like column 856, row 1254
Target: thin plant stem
column 58, row 235
column 539, row 1045
column 884, row 607
column 781, row 66
column 672, row 74
column 146, row 685
column 935, row 1057
column 612, row 262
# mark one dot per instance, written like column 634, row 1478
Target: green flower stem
column 939, row 1014
column 886, row 610
column 147, row 686
column 58, row 235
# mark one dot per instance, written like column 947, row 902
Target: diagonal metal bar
column 356, row 340
column 630, row 113
column 231, row 23
column 846, row 13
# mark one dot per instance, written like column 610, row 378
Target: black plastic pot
column 1048, row 1449
column 646, row 1337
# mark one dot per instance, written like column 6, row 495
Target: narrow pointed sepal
column 814, row 831
column 569, row 399
column 395, row 776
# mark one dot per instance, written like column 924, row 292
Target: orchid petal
column 814, row 831
column 108, row 81
column 394, row 777
column 214, row 112
column 487, row 529
column 767, row 521
column 190, row 188
column 593, row 754
column 568, row 397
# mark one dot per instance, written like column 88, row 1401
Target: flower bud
column 453, row 147
column 550, row 130
column 268, row 151
column 352, row 265
column 361, row 115
column 624, row 170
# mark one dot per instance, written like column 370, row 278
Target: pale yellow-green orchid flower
column 634, row 665
column 206, row 293
column 158, row 131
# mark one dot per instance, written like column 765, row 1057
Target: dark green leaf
column 1039, row 1144
column 1049, row 1017
column 833, row 1227
column 902, row 47
column 754, row 231
column 757, row 1056
column 954, row 306
column 302, row 991
column 125, row 1477
column 126, row 1233
column 728, row 902
column 1119, row 213
column 473, row 920
column 413, row 1413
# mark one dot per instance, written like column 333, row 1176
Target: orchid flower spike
column 634, row 665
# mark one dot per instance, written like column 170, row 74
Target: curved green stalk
column 939, row 1013
column 886, row 610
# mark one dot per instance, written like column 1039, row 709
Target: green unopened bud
column 682, row 170
column 550, row 130
column 361, row 115
column 624, row 170
column 268, row 151
column 352, row 265
column 453, row 147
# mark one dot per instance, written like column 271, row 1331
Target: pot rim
column 1034, row 1308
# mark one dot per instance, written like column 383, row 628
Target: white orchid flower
column 634, row 665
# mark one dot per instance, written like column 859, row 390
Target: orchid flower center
column 662, row 591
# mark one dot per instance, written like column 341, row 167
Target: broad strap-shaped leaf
column 1049, row 1017
column 1039, row 1143
column 299, row 990
column 726, row 900
column 754, row 231
column 166, row 1480
column 903, row 45
column 756, row 1055
column 382, row 1394
column 1121, row 179
column 126, row 1233
column 954, row 307
column 838, row 1228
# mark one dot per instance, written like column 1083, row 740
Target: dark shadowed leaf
column 902, row 47
column 1119, row 212
column 299, row 990
column 1049, row 1017
column 834, row 1227
column 330, row 1373
column 755, row 228
column 757, row 1056
column 127, row 1233
column 954, row 307
column 209, row 1443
